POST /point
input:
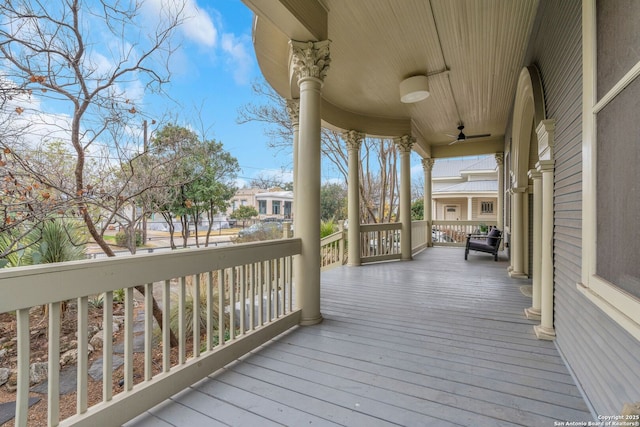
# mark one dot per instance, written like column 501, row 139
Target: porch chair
column 484, row 243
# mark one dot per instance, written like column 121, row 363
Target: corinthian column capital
column 353, row 139
column 310, row 59
column 499, row 159
column 404, row 143
column 427, row 164
column 293, row 109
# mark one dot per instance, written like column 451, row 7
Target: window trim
column 621, row 306
column 493, row 207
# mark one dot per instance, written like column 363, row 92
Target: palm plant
column 55, row 240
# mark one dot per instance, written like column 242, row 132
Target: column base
column 349, row 264
column 527, row 290
column 548, row 334
column 407, row 259
column 312, row 321
column 532, row 313
column 518, row 275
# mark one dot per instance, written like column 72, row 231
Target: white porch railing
column 419, row 234
column 454, row 233
column 380, row 242
column 332, row 250
column 255, row 279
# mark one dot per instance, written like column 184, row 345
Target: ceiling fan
column 461, row 137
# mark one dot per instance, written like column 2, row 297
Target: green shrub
column 328, row 227
column 174, row 313
column 122, row 238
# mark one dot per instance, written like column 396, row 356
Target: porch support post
column 293, row 108
column 427, row 167
column 545, row 165
column 469, row 208
column 533, row 312
column 404, row 144
column 500, row 207
column 309, row 63
column 353, row 140
column 517, row 230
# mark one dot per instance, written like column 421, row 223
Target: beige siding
column 601, row 354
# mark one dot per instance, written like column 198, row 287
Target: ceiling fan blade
column 483, row 135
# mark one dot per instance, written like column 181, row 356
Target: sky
column 213, row 72
column 212, row 69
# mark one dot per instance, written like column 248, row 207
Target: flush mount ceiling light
column 414, row 89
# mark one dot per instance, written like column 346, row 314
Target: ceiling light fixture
column 414, row 89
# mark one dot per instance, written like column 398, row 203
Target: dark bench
column 484, row 243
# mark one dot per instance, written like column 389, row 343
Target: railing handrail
column 464, row 222
column 381, row 226
column 332, row 238
column 109, row 274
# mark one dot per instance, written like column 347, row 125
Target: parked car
column 441, row 236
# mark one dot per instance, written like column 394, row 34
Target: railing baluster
column 107, row 347
column 196, row 316
column 166, row 326
column 278, row 265
column 243, row 298
column 261, row 279
column 210, row 303
column 289, row 286
column 148, row 331
column 128, row 339
column 232, row 303
column 83, row 354
column 252, row 296
column 53, row 395
column 268, row 290
column 182, row 350
column 22, row 396
column 221, row 325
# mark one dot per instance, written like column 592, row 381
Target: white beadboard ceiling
column 472, row 50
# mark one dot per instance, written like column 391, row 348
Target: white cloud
column 238, row 57
column 197, row 26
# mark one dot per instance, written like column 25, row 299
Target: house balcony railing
column 333, row 250
column 454, row 233
column 247, row 288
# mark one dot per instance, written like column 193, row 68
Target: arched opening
column 527, row 115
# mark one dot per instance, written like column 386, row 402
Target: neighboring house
column 270, row 204
column 465, row 189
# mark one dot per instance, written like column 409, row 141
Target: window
column 243, row 202
column 262, row 207
column 275, row 207
column 486, row 208
column 611, row 63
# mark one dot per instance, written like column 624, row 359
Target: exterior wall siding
column 602, row 356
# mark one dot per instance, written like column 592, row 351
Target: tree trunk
column 157, row 312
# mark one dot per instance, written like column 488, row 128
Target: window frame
column 262, row 207
column 621, row 306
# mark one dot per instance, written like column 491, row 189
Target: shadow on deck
column 437, row 341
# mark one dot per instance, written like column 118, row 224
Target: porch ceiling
column 472, row 50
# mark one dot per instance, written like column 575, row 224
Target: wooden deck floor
column 433, row 342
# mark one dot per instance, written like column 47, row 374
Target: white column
column 546, row 329
column 293, row 108
column 310, row 62
column 545, row 165
column 353, row 140
column 500, row 207
column 533, row 312
column 517, row 233
column 427, row 167
column 404, row 144
column 469, row 208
